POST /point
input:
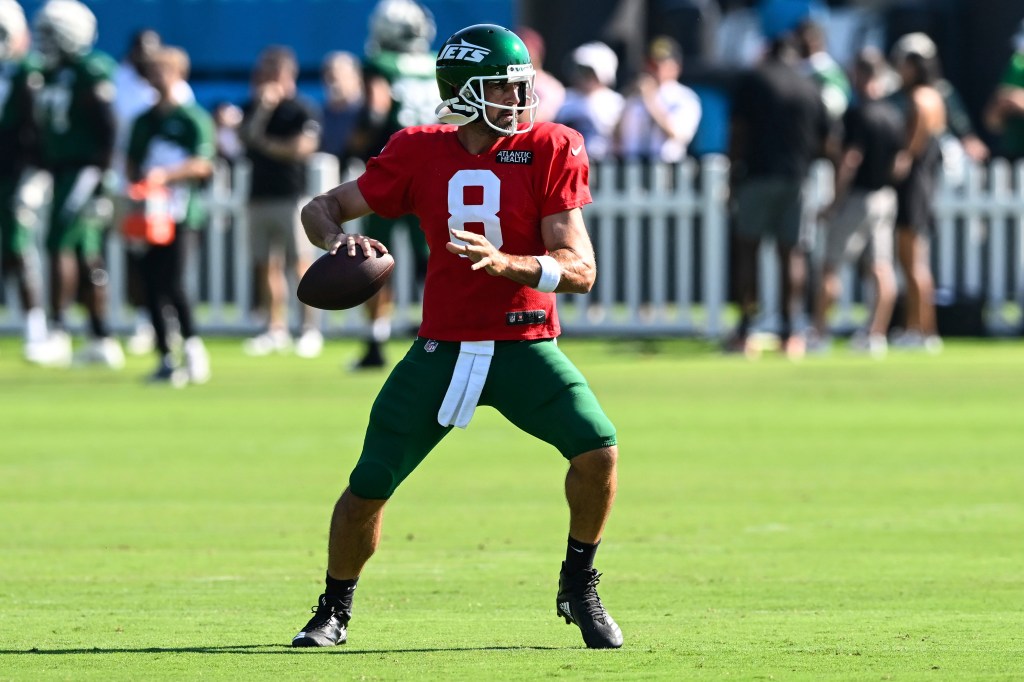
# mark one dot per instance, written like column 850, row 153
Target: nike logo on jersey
column 576, row 150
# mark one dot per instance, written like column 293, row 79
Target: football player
column 73, row 101
column 500, row 202
column 16, row 132
column 400, row 91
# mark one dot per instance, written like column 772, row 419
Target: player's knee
column 372, row 480
column 600, row 462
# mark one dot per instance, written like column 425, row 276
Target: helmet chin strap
column 448, row 112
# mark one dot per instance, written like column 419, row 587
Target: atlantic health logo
column 465, row 51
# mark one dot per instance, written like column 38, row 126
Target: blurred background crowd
column 123, row 111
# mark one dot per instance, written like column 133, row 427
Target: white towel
column 467, row 383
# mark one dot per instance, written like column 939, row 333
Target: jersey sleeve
column 386, row 184
column 1013, row 75
column 203, row 144
column 568, row 184
column 138, row 140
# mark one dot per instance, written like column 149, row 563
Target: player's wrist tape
column 550, row 274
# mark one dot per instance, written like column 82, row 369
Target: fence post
column 714, row 254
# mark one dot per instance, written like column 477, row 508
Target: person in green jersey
column 1004, row 113
column 16, row 130
column 401, row 91
column 172, row 145
column 73, row 101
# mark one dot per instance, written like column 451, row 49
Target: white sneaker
column 142, row 342
column 271, row 341
column 818, row 344
column 874, row 345
column 106, row 351
column 197, row 360
column 909, row 341
column 53, row 351
column 932, row 344
column 310, row 344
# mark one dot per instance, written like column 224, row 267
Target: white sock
column 35, row 325
column 381, row 329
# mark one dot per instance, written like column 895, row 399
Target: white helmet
column 63, row 28
column 12, row 28
column 400, row 26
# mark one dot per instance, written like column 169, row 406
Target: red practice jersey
column 502, row 193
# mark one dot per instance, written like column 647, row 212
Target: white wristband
column 550, row 274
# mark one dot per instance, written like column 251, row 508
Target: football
column 342, row 281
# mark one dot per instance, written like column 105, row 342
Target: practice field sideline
column 836, row 519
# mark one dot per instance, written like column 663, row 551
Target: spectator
column 77, row 127
column 959, row 142
column 227, row 118
column 343, row 104
column 401, row 92
column 913, row 56
column 779, row 124
column 661, row 115
column 16, row 132
column 549, row 90
column 862, row 216
column 134, row 96
column 591, row 106
column 1004, row 113
column 823, row 69
column 171, row 147
column 280, row 131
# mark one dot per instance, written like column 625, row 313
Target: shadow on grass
column 275, row 649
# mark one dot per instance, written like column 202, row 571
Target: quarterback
column 499, row 200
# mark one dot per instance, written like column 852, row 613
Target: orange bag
column 149, row 219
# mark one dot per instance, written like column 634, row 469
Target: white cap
column 600, row 58
column 914, row 43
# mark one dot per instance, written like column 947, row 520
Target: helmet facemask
column 470, row 103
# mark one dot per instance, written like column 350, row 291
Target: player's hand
column 480, row 251
column 371, row 247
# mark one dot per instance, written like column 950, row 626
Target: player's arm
column 566, row 239
column 323, row 217
column 98, row 105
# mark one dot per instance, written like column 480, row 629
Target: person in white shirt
column 661, row 114
column 591, row 106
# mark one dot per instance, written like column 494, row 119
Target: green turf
column 834, row 519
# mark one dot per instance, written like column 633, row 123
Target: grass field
column 837, row 519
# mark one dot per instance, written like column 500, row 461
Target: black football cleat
column 578, row 603
column 327, row 627
column 373, row 358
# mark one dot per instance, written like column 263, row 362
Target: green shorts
column 14, row 236
column 532, row 383
column 383, row 230
column 72, row 231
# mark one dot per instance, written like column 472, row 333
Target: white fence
column 661, row 236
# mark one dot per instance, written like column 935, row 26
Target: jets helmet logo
column 465, row 51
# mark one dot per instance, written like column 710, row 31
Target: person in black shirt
column 862, row 216
column 779, row 125
column 280, row 131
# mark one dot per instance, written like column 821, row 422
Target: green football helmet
column 472, row 57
